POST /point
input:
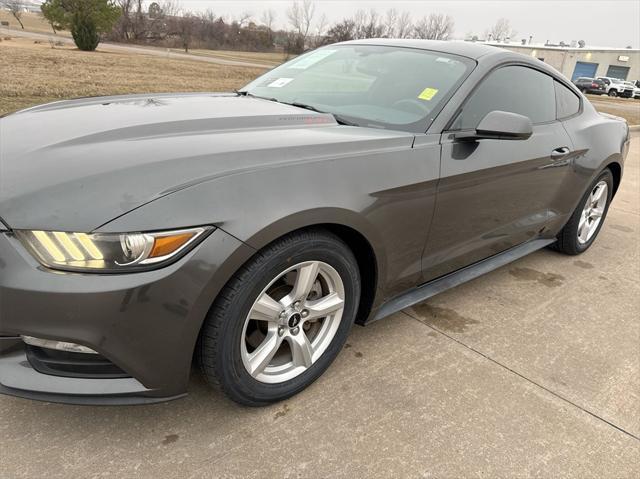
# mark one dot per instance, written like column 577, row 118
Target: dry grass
column 32, row 22
column 627, row 108
column 32, row 74
column 269, row 58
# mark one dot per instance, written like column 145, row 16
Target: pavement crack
column 531, row 381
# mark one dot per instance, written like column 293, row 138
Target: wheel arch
column 353, row 229
column 616, row 170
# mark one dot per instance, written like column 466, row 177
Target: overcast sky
column 611, row 23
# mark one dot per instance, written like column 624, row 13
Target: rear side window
column 514, row 89
column 567, row 102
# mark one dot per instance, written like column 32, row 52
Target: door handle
column 560, row 153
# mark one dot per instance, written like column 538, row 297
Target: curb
column 634, row 127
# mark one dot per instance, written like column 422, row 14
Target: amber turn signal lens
column 165, row 245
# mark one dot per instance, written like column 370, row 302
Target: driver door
column 494, row 194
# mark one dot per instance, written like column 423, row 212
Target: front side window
column 514, row 89
column 567, row 102
column 378, row 86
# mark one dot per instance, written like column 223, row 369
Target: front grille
column 72, row 365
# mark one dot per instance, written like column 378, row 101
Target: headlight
column 108, row 252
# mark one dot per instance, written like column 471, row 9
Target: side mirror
column 500, row 125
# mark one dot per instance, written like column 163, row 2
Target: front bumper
column 145, row 323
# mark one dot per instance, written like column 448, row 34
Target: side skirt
column 451, row 280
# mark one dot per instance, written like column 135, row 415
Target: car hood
column 75, row 165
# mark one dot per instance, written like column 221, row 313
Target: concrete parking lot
column 532, row 370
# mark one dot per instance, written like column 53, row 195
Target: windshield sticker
column 280, row 82
column 428, row 94
column 312, row 59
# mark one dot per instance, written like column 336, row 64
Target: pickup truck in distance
column 590, row 85
column 616, row 87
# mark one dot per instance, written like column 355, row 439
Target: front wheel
column 584, row 225
column 282, row 319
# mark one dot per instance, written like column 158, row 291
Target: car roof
column 466, row 49
column 490, row 54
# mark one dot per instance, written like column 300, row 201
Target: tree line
column 166, row 23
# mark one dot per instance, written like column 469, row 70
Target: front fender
column 385, row 194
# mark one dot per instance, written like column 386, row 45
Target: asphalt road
column 532, row 370
column 120, row 47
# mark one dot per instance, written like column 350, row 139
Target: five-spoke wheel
column 586, row 221
column 292, row 322
column 282, row 319
column 592, row 212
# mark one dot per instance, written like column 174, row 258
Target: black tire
column 612, row 93
column 568, row 237
column 219, row 347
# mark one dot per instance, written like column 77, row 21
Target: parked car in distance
column 590, row 85
column 248, row 231
column 636, row 88
column 616, row 87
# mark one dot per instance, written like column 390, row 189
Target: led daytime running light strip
column 65, row 242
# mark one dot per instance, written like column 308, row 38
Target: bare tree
column 501, row 31
column 319, row 37
column 368, row 24
column 16, row 9
column 373, row 27
column 171, row 8
column 301, row 17
column 342, row 31
column 436, row 26
column 185, row 28
column 139, row 22
column 308, row 13
column 390, row 23
column 359, row 20
column 404, row 25
column 268, row 18
column 208, row 16
column 124, row 23
column 245, row 18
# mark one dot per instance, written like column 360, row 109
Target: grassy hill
column 34, row 73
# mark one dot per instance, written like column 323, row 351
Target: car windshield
column 366, row 85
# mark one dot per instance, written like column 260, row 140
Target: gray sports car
column 248, row 231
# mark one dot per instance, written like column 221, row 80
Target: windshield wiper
column 246, row 93
column 338, row 118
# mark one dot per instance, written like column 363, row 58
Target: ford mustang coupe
column 248, row 231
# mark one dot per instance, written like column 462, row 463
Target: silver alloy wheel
column 592, row 212
column 293, row 322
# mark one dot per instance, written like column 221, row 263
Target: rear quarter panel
column 598, row 141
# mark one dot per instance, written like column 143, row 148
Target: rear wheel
column 282, row 319
column 584, row 225
column 613, row 93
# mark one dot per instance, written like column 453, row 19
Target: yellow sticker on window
column 428, row 93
